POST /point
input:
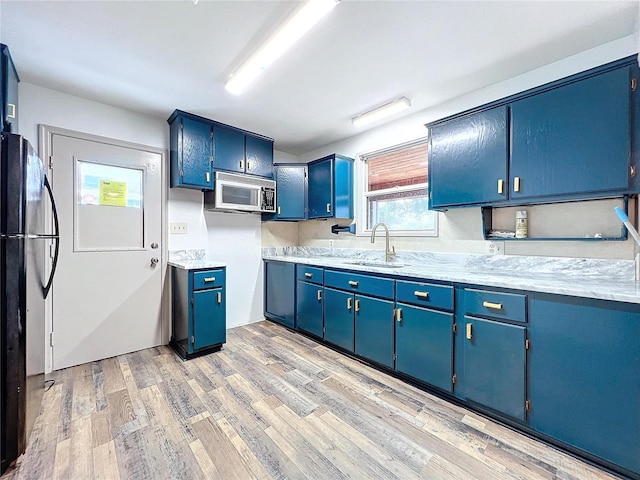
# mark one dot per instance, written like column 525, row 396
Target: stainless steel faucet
column 387, row 253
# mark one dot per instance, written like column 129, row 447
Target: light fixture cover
column 299, row 23
column 381, row 112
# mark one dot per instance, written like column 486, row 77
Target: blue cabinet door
column 494, row 365
column 584, row 375
column 228, row 150
column 9, row 92
column 191, row 148
column 424, row 345
column 468, row 160
column 574, row 139
column 209, row 319
column 331, row 187
column 338, row 318
column 291, row 191
column 374, row 329
column 259, row 156
column 309, row 303
column 321, row 188
column 280, row 283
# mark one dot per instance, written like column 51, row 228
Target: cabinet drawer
column 484, row 303
column 425, row 294
column 208, row 279
column 365, row 284
column 310, row 274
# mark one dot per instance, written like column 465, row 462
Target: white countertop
column 196, row 264
column 583, row 280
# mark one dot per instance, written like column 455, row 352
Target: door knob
column 154, row 262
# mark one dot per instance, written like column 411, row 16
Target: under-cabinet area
column 535, row 360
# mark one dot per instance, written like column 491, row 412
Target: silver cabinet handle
column 13, row 110
column 420, row 294
column 319, row 295
column 308, row 275
column 497, row 306
column 219, row 297
column 208, row 177
column 348, row 303
column 469, row 331
column 357, row 305
column 353, row 283
column 209, row 279
column 398, row 314
column 328, row 208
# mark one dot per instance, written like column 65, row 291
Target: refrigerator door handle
column 56, row 237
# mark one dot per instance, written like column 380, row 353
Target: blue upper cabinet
column 9, row 103
column 200, row 146
column 571, row 139
column 468, row 159
column 228, row 150
column 191, row 152
column 259, row 156
column 236, row 151
column 574, row 139
column 291, row 181
column 331, row 187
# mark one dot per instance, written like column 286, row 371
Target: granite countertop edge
column 595, row 287
column 196, row 264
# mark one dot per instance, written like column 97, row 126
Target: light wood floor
column 271, row 404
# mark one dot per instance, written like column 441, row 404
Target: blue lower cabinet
column 494, row 365
column 309, row 303
column 584, row 375
column 280, row 292
column 199, row 319
column 209, row 326
column 338, row 319
column 424, row 345
column 374, row 329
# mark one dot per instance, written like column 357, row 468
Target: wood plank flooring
column 271, row 404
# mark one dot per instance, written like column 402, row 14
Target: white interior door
column 107, row 292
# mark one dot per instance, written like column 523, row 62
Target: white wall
column 461, row 229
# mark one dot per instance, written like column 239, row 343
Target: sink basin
column 373, row 263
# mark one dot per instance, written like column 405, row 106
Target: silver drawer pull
column 349, row 303
column 398, row 314
column 497, row 306
column 219, row 297
column 469, row 331
column 308, row 275
column 420, row 294
column 319, row 295
column 209, row 279
column 353, row 283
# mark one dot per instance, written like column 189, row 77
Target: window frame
column 362, row 195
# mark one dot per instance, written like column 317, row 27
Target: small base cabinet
column 199, row 311
column 493, row 351
column 310, row 300
column 280, row 292
column 424, row 335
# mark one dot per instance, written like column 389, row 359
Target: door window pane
column 109, row 207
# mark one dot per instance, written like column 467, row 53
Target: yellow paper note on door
column 113, row 193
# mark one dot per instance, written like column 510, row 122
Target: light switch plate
column 494, row 248
column 178, row 228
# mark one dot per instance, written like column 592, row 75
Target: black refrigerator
column 25, row 253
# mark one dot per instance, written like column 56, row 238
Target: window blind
column 399, row 167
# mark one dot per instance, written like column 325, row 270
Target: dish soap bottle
column 521, row 224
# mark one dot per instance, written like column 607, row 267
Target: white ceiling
column 153, row 57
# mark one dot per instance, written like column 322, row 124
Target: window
column 394, row 187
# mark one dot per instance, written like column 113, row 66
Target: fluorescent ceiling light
column 299, row 23
column 381, row 112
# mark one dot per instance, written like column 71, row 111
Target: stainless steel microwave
column 241, row 193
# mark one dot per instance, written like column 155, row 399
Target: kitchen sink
column 373, row 263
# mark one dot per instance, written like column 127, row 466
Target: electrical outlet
column 494, row 248
column 178, row 228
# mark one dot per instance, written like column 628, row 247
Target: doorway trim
column 45, row 145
